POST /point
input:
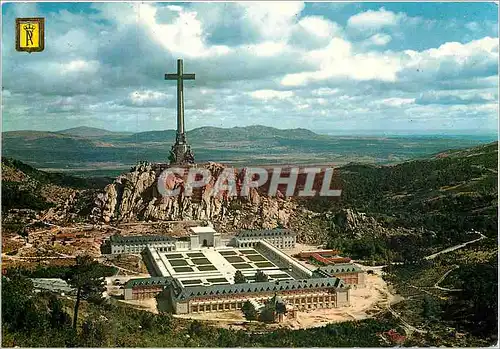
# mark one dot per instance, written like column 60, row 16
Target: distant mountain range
column 207, row 133
column 93, row 149
column 90, row 132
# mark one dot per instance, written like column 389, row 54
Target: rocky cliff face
column 135, row 196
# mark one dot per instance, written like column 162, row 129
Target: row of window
column 212, row 307
column 237, row 305
column 139, row 248
column 165, row 249
column 128, row 250
column 286, row 245
column 142, row 244
column 279, row 245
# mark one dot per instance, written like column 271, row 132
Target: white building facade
column 281, row 238
column 136, row 244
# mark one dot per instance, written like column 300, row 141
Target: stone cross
column 181, row 153
column 180, row 77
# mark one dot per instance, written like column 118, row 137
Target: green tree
column 96, row 331
column 86, row 277
column 267, row 314
column 280, row 308
column 249, row 311
column 21, row 311
column 430, row 309
column 57, row 316
column 239, row 278
column 477, row 305
column 261, row 277
column 164, row 322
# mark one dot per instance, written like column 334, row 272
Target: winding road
column 456, row 247
column 409, row 329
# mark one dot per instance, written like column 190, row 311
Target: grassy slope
column 26, row 187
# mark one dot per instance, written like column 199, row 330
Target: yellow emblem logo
column 30, row 34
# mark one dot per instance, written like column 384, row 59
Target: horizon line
column 345, row 132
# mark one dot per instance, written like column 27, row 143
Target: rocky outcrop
column 135, row 196
column 353, row 224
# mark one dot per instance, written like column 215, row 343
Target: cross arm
column 176, row 76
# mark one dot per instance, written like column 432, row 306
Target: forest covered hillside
column 452, row 191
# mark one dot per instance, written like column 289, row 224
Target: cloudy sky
column 330, row 67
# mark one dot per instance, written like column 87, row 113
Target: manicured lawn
column 173, row 256
column 217, row 280
column 234, row 259
column 191, row 282
column 195, row 255
column 264, row 264
column 249, row 252
column 183, row 270
column 206, row 267
column 242, row 266
column 178, row 262
column 200, row 261
column 256, row 258
column 228, row 253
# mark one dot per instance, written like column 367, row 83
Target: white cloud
column 488, row 46
column 271, row 94
column 174, row 8
column 302, row 106
column 394, row 102
column 272, row 20
column 338, row 60
column 313, row 32
column 148, row 98
column 325, row 91
column 266, row 49
column 379, row 39
column 318, row 26
column 64, row 104
column 372, row 20
column 452, row 60
column 80, row 67
column 183, row 36
column 463, row 97
column 449, row 61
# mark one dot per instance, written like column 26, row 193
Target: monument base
column 181, row 154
